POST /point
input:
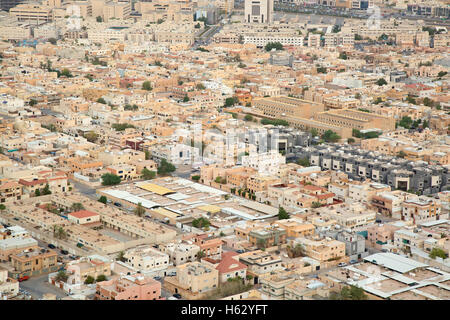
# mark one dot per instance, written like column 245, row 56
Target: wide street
column 38, row 286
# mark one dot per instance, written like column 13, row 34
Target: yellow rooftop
column 210, row 208
column 156, row 189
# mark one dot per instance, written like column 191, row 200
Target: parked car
column 342, row 264
column 177, row 295
column 51, row 246
column 64, row 252
column 353, row 261
column 378, row 221
column 157, row 278
column 24, row 278
column 240, row 251
column 117, row 204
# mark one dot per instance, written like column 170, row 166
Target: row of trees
column 45, row 191
column 62, row 276
column 164, row 168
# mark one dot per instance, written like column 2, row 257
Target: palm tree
column 139, row 210
column 121, row 256
column 76, row 206
column 61, row 276
column 200, row 255
column 59, row 232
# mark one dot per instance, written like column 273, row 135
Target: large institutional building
column 259, row 11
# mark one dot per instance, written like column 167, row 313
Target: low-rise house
column 129, row 287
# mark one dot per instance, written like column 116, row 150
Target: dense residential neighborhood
column 224, row 150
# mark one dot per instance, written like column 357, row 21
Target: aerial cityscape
column 224, row 150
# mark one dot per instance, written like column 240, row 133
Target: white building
column 181, row 253
column 146, row 258
column 267, row 163
column 8, row 287
column 258, row 11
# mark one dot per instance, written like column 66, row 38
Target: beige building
column 8, row 287
column 146, row 258
column 180, row 253
column 323, row 250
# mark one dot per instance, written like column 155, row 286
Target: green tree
column 101, row 278
column 331, row 136
column 304, row 162
column 61, row 276
column 201, row 223
column 438, row 252
column 165, row 167
column 273, row 45
column 378, row 100
column 121, row 257
column 159, row 21
column 411, row 100
column 201, row 254
column 428, row 102
column 139, row 210
column 314, row 132
column 89, row 280
column 76, row 206
column 442, row 73
column 200, row 86
column 401, row 154
column 343, row 56
column 336, row 28
column 381, row 82
column 46, row 190
column 32, row 102
column 99, row 19
column 186, row 98
column 110, row 179
column 147, row 174
column 358, row 37
column 66, row 73
column 196, row 178
column 146, row 85
column 248, row 117
column 230, row 102
column 2, row 207
column 406, row 122
column 121, row 126
column 275, row 122
column 297, row 251
column 349, row 293
column 103, row 199
column 316, row 204
column 37, row 192
column 350, row 140
column 147, row 155
column 133, row 107
column 91, row 136
column 282, row 214
column 101, row 100
column 322, row 70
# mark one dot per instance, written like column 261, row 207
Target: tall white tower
column 259, row 11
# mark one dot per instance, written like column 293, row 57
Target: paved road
column 38, row 286
column 84, row 189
